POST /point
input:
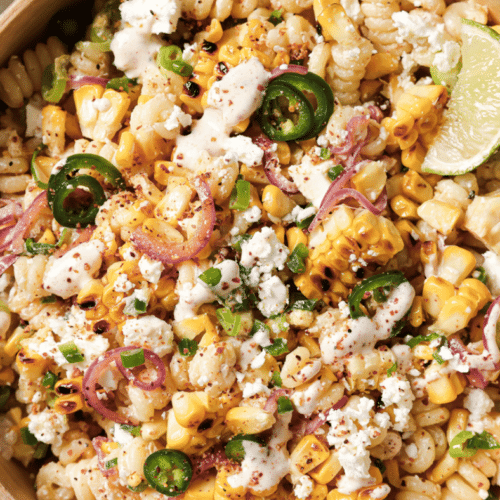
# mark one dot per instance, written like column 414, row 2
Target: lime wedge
column 446, row 78
column 470, row 133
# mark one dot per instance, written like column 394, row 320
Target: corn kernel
column 277, row 203
column 447, row 388
column 249, row 420
column 435, row 293
column 308, row 454
column 405, row 208
column 456, row 264
column 415, row 187
column 440, row 215
column 328, row 470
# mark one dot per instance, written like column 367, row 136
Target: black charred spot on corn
column 208, row 47
column 192, row 89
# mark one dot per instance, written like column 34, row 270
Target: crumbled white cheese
column 48, row 426
column 150, row 269
column 303, row 487
column 448, row 58
column 273, row 295
column 259, row 360
column 122, row 283
column 177, row 118
column 150, row 332
column 121, row 436
column 156, row 16
column 491, row 265
column 252, row 214
column 479, row 404
column 257, row 387
column 102, row 104
column 141, row 295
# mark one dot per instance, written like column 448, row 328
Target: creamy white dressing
column 360, row 335
column 263, row 468
column 71, row 272
column 234, row 99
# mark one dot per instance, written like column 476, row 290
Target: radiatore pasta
column 225, row 273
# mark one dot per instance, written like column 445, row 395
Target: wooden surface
column 15, row 482
column 23, row 21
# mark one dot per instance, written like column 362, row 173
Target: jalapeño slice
column 168, row 471
column 312, row 84
column 234, row 448
column 285, row 114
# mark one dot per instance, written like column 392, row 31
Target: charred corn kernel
column 249, row 420
column 16, row 415
column 110, row 121
column 294, row 236
column 47, row 237
column 223, row 490
column 456, row 264
column 436, row 292
column 423, row 351
column 408, row 140
column 275, row 202
column 336, row 495
column 214, row 31
column 455, row 314
column 366, row 225
column 415, row 187
column 437, row 94
column 328, row 470
column 202, row 488
column 7, row 376
column 255, row 175
column 54, row 128
column 442, row 216
column 126, row 150
column 87, row 114
column 283, row 152
column 409, row 233
column 427, row 123
column 381, row 64
column 417, row 312
column 405, row 208
column 72, row 127
column 413, row 157
column 336, row 23
column 308, row 454
column 370, row 180
column 445, row 468
column 30, row 363
column 447, row 388
column 71, row 385
column 91, row 292
column 394, row 186
column 229, row 53
column 178, row 437
column 428, row 252
column 68, row 404
column 13, row 343
column 402, row 125
column 163, row 170
column 475, row 290
column 415, row 105
column 369, row 89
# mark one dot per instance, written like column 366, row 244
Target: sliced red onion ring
column 97, row 443
column 10, row 211
column 98, row 367
column 14, row 239
column 290, row 68
column 6, row 262
column 376, row 113
column 271, row 166
column 476, row 378
column 84, row 236
column 357, row 130
column 158, row 364
column 75, row 81
column 213, row 458
column 490, row 331
column 272, row 401
column 170, row 253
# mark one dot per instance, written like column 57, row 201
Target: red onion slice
column 476, row 378
column 10, row 211
column 97, row 443
column 290, row 68
column 170, row 253
column 271, row 166
column 15, row 240
column 158, row 364
column 357, row 130
column 75, row 81
column 308, row 427
column 490, row 331
column 97, row 368
column 376, row 113
column 213, row 458
column 6, row 262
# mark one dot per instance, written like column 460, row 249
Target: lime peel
column 470, row 133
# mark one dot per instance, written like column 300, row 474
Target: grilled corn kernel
column 456, row 264
column 308, row 454
column 275, row 202
column 248, row 420
column 381, row 64
column 447, row 388
column 405, row 208
column 435, row 293
column 328, row 470
column 440, row 215
column 416, row 187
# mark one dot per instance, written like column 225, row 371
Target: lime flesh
column 470, row 133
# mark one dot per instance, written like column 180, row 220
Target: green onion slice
column 188, row 347
column 170, row 58
column 335, row 171
column 276, row 17
column 133, row 358
column 111, row 463
column 422, row 338
column 392, row 369
column 296, row 261
column 133, row 429
column 27, row 437
column 229, row 321
column 4, row 395
column 41, row 451
column 211, row 276
column 276, row 379
column 168, row 471
column 122, row 84
column 49, row 380
column 71, row 352
column 240, row 196
column 278, row 347
column 284, row 405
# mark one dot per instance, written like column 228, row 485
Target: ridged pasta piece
column 379, row 27
column 19, row 81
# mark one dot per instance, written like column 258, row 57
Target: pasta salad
column 250, row 250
